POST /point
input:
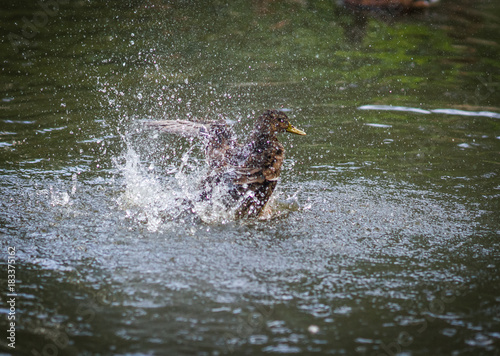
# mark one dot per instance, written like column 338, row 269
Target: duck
column 247, row 171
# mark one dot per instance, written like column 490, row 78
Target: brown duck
column 250, row 170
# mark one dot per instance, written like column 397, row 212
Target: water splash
column 157, row 196
column 144, row 199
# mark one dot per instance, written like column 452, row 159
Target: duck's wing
column 217, row 136
column 244, row 175
column 260, row 166
column 248, row 175
column 182, row 127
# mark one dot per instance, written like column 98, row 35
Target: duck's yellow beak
column 294, row 130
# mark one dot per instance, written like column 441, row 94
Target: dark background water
column 385, row 238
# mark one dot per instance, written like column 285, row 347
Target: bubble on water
column 59, row 198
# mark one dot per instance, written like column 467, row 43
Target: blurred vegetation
column 352, row 58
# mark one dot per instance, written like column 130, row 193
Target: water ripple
column 435, row 111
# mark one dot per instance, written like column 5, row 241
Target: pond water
column 383, row 236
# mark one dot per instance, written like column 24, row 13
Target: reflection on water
column 437, row 111
column 383, row 232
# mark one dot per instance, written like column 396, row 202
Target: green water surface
column 385, row 238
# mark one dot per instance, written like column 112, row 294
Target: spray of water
column 169, row 191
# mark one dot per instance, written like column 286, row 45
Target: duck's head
column 273, row 121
